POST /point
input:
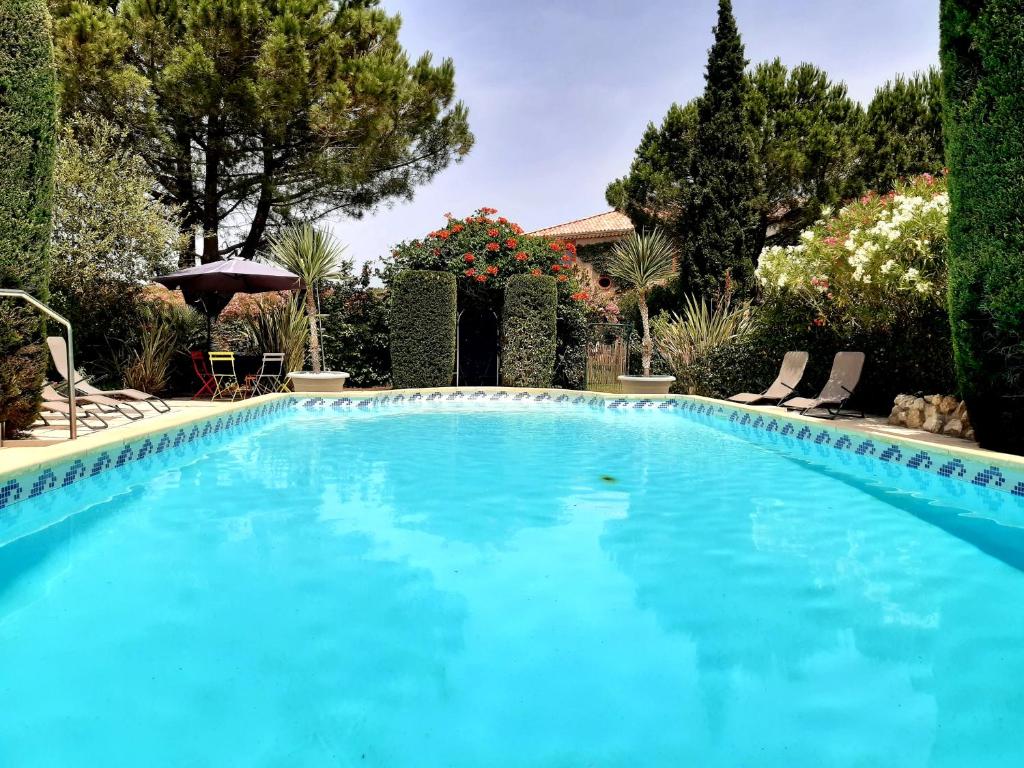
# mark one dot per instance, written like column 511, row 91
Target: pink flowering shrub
column 869, row 260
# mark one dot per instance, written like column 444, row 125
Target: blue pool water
column 496, row 588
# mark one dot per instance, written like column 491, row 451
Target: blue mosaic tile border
column 790, row 432
column 120, row 455
column 826, row 439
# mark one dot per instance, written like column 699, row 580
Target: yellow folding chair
column 225, row 380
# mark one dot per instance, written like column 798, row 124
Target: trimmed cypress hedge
column 982, row 51
column 27, row 138
column 423, row 318
column 529, row 330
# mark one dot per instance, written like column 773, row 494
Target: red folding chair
column 204, row 375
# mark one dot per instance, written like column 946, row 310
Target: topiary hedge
column 983, row 67
column 529, row 330
column 27, row 131
column 423, row 319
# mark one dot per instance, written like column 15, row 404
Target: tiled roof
column 603, row 226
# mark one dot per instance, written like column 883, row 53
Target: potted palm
column 314, row 256
column 638, row 264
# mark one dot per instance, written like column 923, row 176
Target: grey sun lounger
column 785, row 384
column 102, row 402
column 62, row 408
column 846, row 370
column 59, row 355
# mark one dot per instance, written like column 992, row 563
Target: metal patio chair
column 202, row 371
column 270, row 375
column 225, row 380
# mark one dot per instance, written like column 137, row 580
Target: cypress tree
column 982, row 47
column 718, row 223
column 27, row 136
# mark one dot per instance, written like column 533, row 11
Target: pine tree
column 254, row 113
column 27, row 129
column 653, row 192
column 903, row 131
column 805, row 132
column 718, row 223
column 982, row 48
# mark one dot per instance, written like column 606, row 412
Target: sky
column 559, row 92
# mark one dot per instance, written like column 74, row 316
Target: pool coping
column 34, row 471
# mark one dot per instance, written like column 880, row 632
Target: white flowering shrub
column 864, row 263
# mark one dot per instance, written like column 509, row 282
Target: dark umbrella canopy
column 232, row 276
column 209, row 287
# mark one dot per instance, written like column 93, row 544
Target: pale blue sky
column 559, row 91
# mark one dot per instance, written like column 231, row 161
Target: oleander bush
column 423, row 320
column 983, row 68
column 529, row 330
column 28, row 103
column 871, row 277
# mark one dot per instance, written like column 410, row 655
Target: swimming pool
column 502, row 584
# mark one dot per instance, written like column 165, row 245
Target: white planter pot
column 328, row 381
column 646, row 385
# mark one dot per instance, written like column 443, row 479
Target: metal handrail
column 12, row 293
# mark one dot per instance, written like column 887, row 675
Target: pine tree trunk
column 314, row 333
column 648, row 343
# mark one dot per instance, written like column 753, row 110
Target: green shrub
column 355, row 331
column 163, row 335
column 423, row 316
column 911, row 356
column 529, row 329
column 983, row 68
column 871, row 277
column 27, row 128
column 109, row 238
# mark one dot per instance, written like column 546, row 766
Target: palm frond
column 642, row 261
column 311, row 253
column 279, row 327
column 702, row 327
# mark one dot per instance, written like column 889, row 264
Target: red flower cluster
column 469, row 272
column 555, row 267
column 493, row 232
column 481, row 278
column 488, row 211
column 492, row 270
column 493, row 246
column 535, row 272
column 522, row 256
column 469, row 258
column 511, row 243
column 580, row 296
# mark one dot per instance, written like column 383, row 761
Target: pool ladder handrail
column 12, row 293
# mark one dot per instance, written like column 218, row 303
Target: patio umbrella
column 209, row 287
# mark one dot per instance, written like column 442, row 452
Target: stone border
column 74, row 462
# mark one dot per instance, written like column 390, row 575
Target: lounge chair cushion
column 803, row 403
column 747, row 397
